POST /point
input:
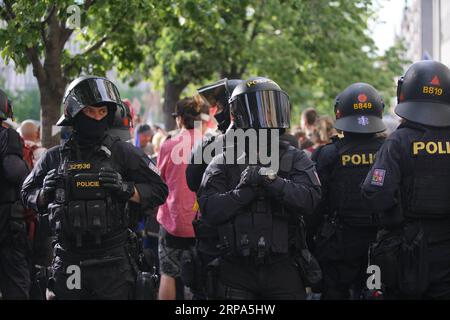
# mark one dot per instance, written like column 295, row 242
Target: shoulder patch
column 153, row 168
column 378, row 177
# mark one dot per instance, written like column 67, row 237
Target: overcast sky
column 388, row 24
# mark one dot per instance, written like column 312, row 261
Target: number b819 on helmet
column 423, row 94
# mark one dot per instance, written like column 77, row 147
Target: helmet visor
column 95, row 91
column 262, row 109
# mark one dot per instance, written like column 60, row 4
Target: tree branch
column 38, row 69
column 91, row 49
column 9, row 12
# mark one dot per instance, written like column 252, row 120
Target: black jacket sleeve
column 13, row 166
column 219, row 203
column 142, row 171
column 301, row 192
column 381, row 188
column 33, row 183
column 325, row 158
column 194, row 170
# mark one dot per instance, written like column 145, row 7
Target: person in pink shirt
column 176, row 214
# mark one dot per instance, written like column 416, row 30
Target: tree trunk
column 50, row 112
column 172, row 93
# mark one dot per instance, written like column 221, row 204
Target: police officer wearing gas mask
column 348, row 227
column 408, row 188
column 257, row 211
column 85, row 185
column 14, row 246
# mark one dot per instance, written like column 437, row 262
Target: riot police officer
column 86, row 185
column 206, row 235
column 255, row 209
column 408, row 187
column 14, row 246
column 216, row 94
column 342, row 165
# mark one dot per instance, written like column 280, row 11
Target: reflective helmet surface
column 359, row 109
column 88, row 91
column 423, row 94
column 122, row 122
column 218, row 94
column 260, row 103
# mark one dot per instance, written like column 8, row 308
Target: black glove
column 112, row 180
column 251, row 177
column 49, row 187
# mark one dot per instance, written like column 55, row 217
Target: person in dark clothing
column 256, row 209
column 216, row 94
column 14, row 244
column 206, row 235
column 347, row 228
column 408, row 188
column 86, row 185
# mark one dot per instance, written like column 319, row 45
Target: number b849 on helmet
column 259, row 103
column 359, row 109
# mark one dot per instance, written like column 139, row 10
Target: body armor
column 83, row 211
column 428, row 190
column 264, row 228
column 355, row 159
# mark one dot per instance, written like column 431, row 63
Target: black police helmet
column 260, row 103
column 423, row 94
column 122, row 122
column 6, row 110
column 88, row 91
column 218, row 94
column 359, row 109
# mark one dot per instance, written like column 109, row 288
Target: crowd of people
column 123, row 212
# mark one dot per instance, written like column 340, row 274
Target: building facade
column 425, row 29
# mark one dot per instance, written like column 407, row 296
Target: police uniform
column 258, row 226
column 90, row 219
column 348, row 228
column 207, row 238
column 14, row 245
column 409, row 185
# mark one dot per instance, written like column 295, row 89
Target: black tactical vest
column 427, row 192
column 354, row 161
column 84, row 213
column 263, row 228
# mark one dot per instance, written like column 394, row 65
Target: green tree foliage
column 313, row 49
column 26, row 104
column 36, row 33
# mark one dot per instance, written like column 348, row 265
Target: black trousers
column 103, row 280
column 14, row 262
column 344, row 275
column 279, row 280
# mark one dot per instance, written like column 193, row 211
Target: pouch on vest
column 386, row 253
column 75, row 220
column 309, row 268
column 329, row 243
column 226, row 237
column 96, row 218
